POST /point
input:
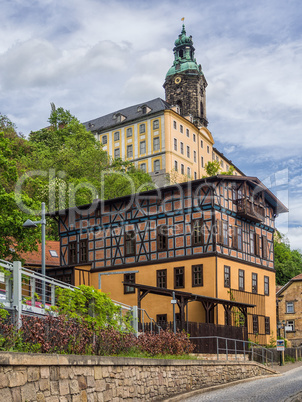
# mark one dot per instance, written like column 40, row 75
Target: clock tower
column 185, row 85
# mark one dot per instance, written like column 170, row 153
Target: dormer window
column 144, row 109
column 118, row 117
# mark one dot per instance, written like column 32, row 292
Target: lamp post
column 34, row 224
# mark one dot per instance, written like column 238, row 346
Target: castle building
column 207, row 241
column 168, row 139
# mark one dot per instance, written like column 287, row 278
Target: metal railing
column 149, row 325
column 237, row 348
column 21, row 293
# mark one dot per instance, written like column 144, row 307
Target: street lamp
column 34, row 224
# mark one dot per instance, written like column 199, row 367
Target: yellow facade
column 110, row 282
column 169, row 143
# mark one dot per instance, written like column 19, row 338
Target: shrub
column 165, row 343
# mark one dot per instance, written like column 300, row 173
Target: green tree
column 14, row 239
column 288, row 263
column 214, row 168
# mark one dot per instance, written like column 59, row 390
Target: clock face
column 177, row 80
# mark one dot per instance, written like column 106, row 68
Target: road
column 272, row 389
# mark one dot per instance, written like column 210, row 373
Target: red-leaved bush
column 165, row 343
column 76, row 336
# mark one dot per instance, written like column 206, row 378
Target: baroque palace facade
column 208, row 240
column 166, row 137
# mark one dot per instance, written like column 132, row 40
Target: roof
column 253, row 181
column 227, row 160
column 281, row 289
column 130, row 113
column 35, row 257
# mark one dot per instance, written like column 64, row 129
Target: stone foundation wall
column 61, row 378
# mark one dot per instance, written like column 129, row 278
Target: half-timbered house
column 209, row 240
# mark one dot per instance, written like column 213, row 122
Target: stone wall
column 62, row 378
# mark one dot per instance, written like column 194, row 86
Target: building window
column 194, row 137
column 179, row 278
column 162, row 238
column 156, row 165
column 188, row 151
column 175, row 166
column 72, row 250
column 267, row 325
column 201, row 143
column 116, row 136
column 175, row 144
column 142, row 147
column 144, row 109
column 129, row 132
column 208, row 149
column 254, row 283
column 130, row 243
column 161, row 278
column 213, row 156
column 188, row 132
column 222, row 233
column 143, row 167
column 194, row 156
column 195, row 176
column 252, row 242
column 182, row 168
column 181, row 128
column 156, row 144
column 202, row 161
column 290, row 308
column 116, row 153
column 174, row 125
column 104, row 139
column 182, row 148
column 255, row 324
column 189, row 172
column 197, row 232
column 237, row 238
column 130, row 278
column 197, row 275
column 142, row 128
column 227, row 276
column 266, row 285
column 227, row 167
column 129, row 151
column 155, row 124
column 161, row 320
column 291, row 324
column 83, row 257
column 221, row 163
column 241, row 279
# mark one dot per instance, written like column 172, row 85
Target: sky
column 94, row 57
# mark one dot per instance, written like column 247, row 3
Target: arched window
column 181, row 53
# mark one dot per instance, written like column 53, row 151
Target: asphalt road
column 287, row 387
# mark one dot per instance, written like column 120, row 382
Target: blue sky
column 93, row 57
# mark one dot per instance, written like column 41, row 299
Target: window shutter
column 264, row 247
column 219, row 232
column 257, row 244
column 235, row 237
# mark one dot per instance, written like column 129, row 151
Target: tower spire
column 185, row 84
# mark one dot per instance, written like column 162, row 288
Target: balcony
column 250, row 210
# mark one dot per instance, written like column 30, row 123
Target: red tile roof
column 35, row 257
column 297, row 278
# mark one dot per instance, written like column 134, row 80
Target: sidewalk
column 287, row 366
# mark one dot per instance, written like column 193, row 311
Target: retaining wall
column 68, row 378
